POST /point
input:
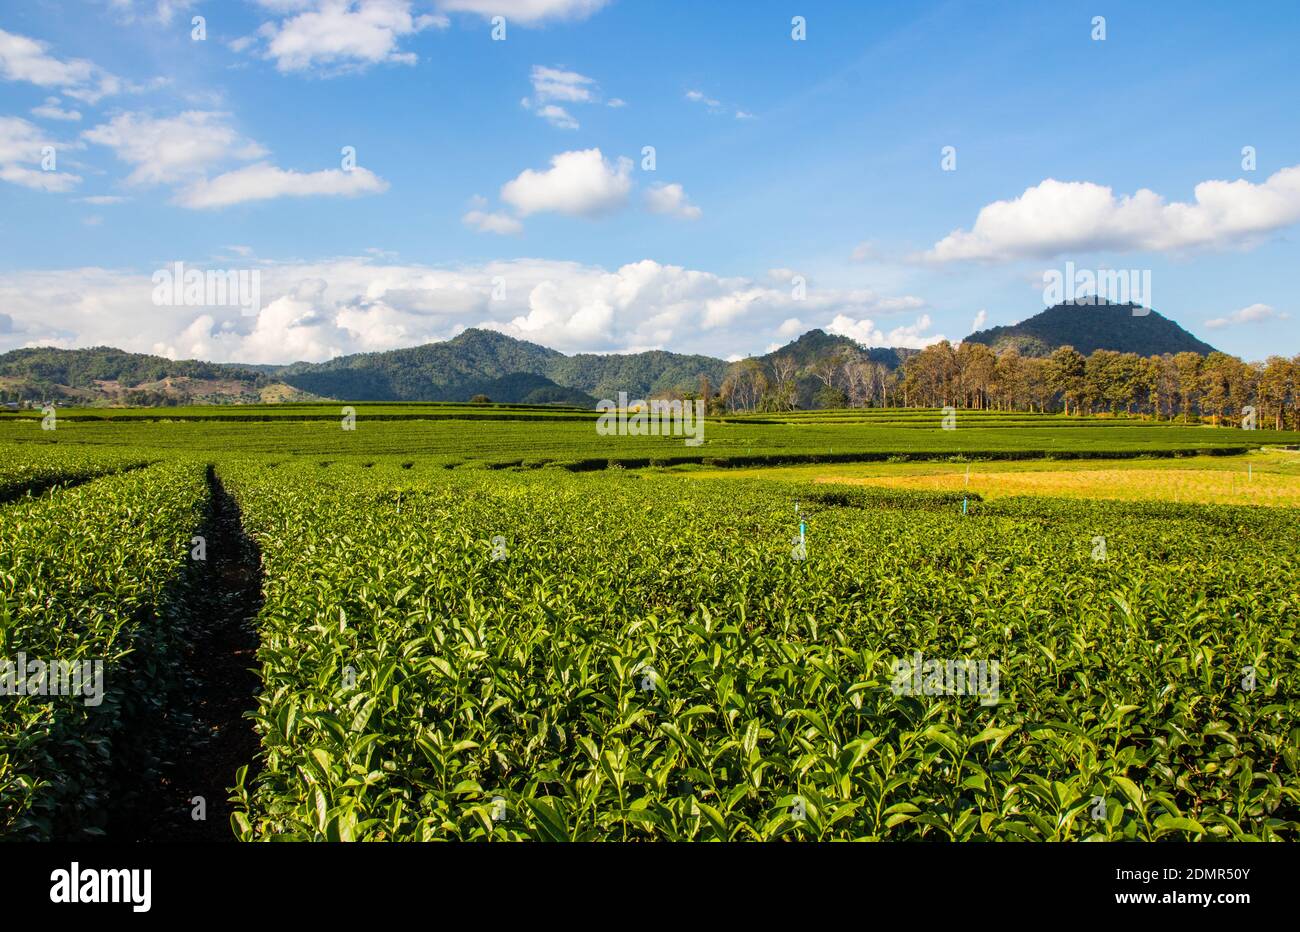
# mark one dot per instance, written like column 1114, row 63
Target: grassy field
column 554, row 649
column 1259, row 478
column 572, row 439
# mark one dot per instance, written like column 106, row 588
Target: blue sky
column 490, row 186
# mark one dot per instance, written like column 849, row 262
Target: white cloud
column 181, row 150
column 713, row 105
column 553, row 87
column 51, row 110
column 495, row 222
column 526, row 12
column 671, row 199
column 866, row 332
column 24, row 59
column 981, row 318
column 38, row 180
column 315, row 310
column 579, row 183
column 557, row 116
column 790, row 327
column 700, row 97
column 174, row 149
column 264, row 181
column 616, row 102
column 157, row 11
column 21, row 153
column 1055, row 217
column 103, row 199
column 1253, row 314
column 343, row 35
column 557, row 84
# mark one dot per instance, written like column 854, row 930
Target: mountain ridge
column 503, row 368
column 1092, row 326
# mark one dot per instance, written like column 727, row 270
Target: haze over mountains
column 485, row 362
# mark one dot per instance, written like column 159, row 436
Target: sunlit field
column 1258, row 478
column 623, row 638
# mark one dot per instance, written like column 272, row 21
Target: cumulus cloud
column 981, row 318
column 866, row 332
column 1253, row 314
column 526, row 12
column 29, row 60
column 578, row 183
column 172, row 149
column 22, row 146
column 103, row 199
column 183, row 150
column 342, row 35
column 52, row 110
column 492, row 222
column 317, row 310
column 671, row 199
column 1056, row 217
column 38, row 180
column 264, row 182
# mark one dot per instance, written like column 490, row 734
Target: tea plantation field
column 477, row 630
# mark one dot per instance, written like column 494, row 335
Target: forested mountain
column 82, row 368
column 816, row 370
column 1090, row 327
column 103, row 374
column 453, row 370
column 478, row 362
column 641, row 375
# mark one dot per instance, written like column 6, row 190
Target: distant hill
column 491, row 363
column 507, row 370
column 454, row 370
column 641, row 375
column 818, row 344
column 494, row 364
column 1089, row 327
column 529, row 389
column 103, row 374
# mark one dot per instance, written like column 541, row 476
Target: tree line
column 1187, row 386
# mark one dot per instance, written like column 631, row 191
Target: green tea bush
column 92, row 573
column 545, row 656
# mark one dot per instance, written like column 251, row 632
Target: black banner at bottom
column 298, row 881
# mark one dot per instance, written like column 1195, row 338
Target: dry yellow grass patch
column 1212, row 486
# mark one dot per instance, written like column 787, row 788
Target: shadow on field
column 205, row 732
